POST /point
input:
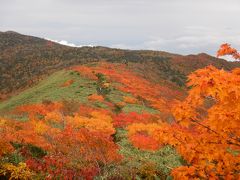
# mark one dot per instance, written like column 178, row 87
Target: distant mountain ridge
column 26, row 59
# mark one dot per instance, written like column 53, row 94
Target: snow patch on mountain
column 66, row 43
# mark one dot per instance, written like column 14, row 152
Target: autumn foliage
column 143, row 91
column 130, row 100
column 226, row 49
column 67, row 83
column 70, row 140
column 124, row 119
column 74, row 143
column 205, row 133
column 95, row 97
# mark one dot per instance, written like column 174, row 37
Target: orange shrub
column 226, row 49
column 95, row 97
column 67, row 83
column 130, row 100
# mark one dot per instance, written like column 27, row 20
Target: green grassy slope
column 163, row 160
column 51, row 89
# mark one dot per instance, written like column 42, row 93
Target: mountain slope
column 74, row 124
column 24, row 60
column 53, row 89
column 98, row 120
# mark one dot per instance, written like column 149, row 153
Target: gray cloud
column 186, row 26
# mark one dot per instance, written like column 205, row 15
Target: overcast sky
column 178, row 26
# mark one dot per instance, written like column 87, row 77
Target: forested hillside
column 24, row 60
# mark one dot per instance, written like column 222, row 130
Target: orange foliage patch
column 96, row 97
column 42, row 109
column 144, row 142
column 159, row 97
column 130, row 100
column 68, row 83
column 121, row 104
column 123, row 119
column 66, row 138
column 226, row 49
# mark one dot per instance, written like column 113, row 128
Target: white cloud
column 228, row 58
column 195, row 39
column 64, row 42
